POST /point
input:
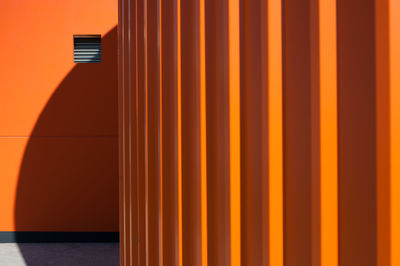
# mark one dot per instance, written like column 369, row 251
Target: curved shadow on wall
column 68, row 179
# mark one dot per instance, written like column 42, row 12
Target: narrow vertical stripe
column 161, row 235
column 275, row 155
column 146, row 135
column 130, row 131
column 123, row 156
column 394, row 77
column 328, row 133
column 179, row 128
column 137, row 137
column 203, row 136
column 382, row 130
column 234, row 122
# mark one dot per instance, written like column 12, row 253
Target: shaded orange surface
column 357, row 133
column 58, row 120
column 191, row 139
column 254, row 134
column 218, row 132
column 170, row 134
column 297, row 130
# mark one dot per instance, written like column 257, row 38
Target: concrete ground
column 60, row 254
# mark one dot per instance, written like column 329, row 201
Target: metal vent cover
column 87, row 48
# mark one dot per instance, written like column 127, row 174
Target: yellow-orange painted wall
column 58, row 119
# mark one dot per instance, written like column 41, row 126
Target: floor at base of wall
column 60, row 254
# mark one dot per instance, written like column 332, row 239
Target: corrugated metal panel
column 259, row 132
column 87, row 48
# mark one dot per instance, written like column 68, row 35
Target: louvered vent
column 87, row 48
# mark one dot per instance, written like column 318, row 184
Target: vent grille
column 87, row 48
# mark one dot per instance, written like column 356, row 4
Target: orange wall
column 260, row 132
column 58, row 127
